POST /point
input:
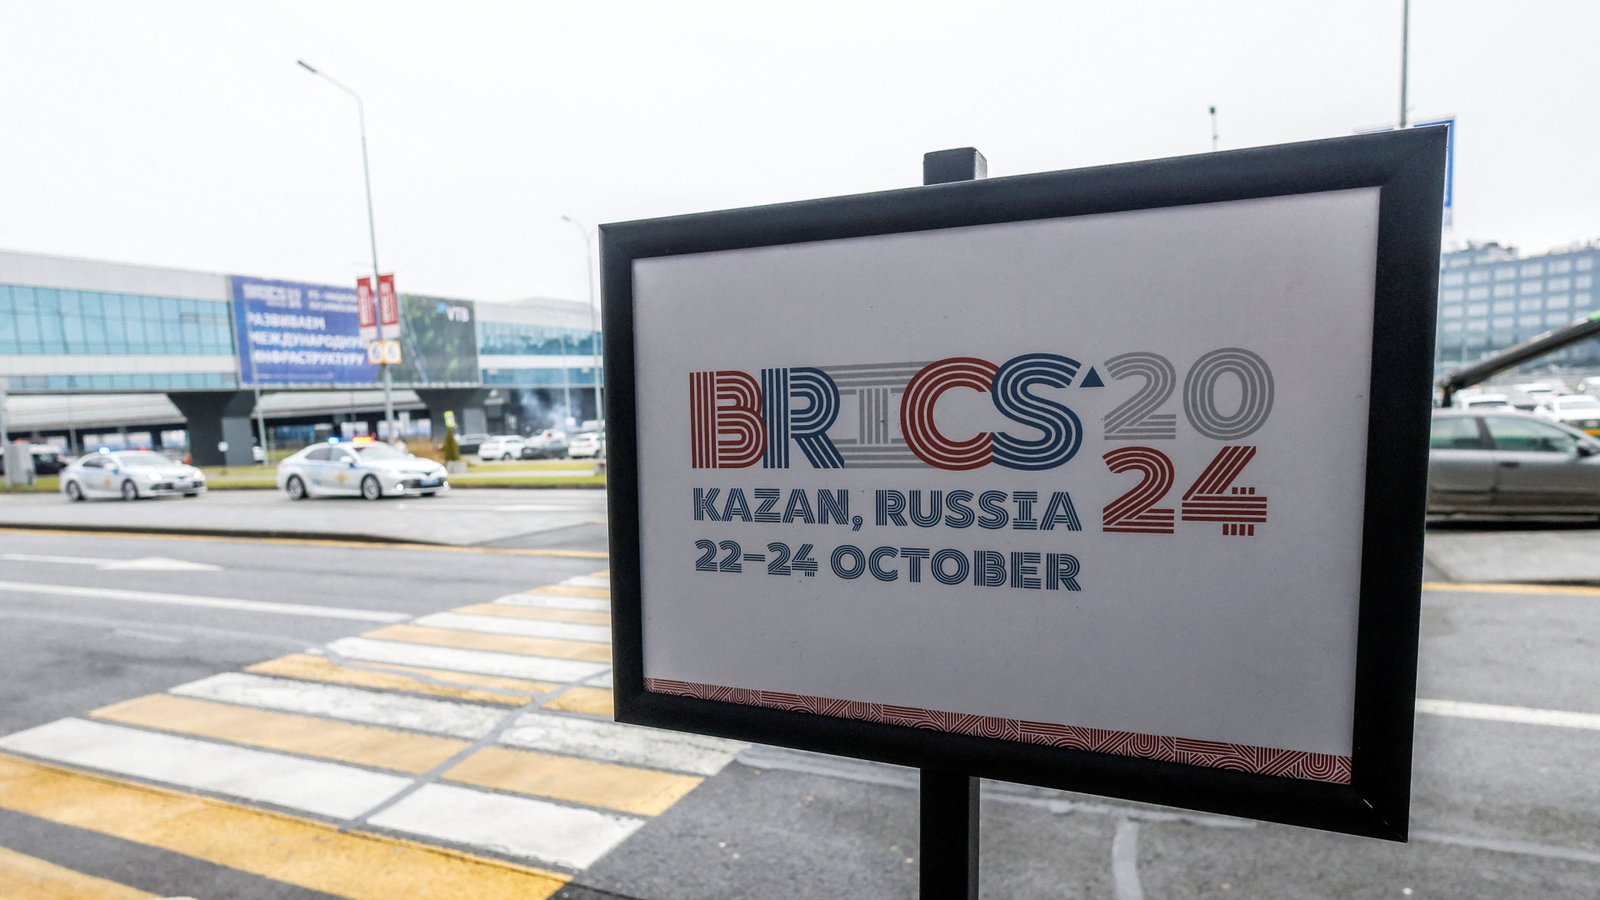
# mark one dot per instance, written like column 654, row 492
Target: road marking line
column 355, row 543
column 586, row 700
column 603, row 573
column 1125, row 861
column 446, row 717
column 363, row 745
column 589, row 581
column 304, row 785
column 308, row 854
column 306, row 667
column 576, row 616
column 631, row 744
column 547, row 602
column 29, row 878
column 282, row 609
column 540, row 628
column 478, row 662
column 549, row 648
column 622, row 788
column 1497, row 587
column 1520, row 715
column 516, row 826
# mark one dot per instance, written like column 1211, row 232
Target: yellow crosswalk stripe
column 586, row 700
column 301, row 852
column 603, row 573
column 306, row 667
column 499, row 643
column 28, row 878
column 591, row 783
column 1495, row 587
column 579, row 616
column 564, row 590
column 364, row 745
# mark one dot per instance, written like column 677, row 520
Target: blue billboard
column 293, row 333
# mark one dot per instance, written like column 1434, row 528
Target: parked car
column 47, row 460
column 1503, row 462
column 362, row 469
column 1590, row 385
column 469, row 443
column 506, row 446
column 1483, row 401
column 547, row 444
column 131, row 475
column 587, row 444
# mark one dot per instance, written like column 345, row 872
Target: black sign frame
column 1408, row 168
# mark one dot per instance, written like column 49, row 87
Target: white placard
column 1240, row 631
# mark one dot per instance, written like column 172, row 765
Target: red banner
column 364, row 302
column 388, row 303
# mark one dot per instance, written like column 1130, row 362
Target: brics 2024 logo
column 737, row 421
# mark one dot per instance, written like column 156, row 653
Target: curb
column 330, row 536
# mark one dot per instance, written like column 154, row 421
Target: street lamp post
column 372, row 233
column 594, row 325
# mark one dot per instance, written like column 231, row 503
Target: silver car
column 1503, row 462
column 129, row 474
column 368, row 469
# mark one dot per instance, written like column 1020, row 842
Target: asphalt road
column 1506, row 802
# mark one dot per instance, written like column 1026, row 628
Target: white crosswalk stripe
column 566, row 631
column 463, row 720
column 551, row 601
column 614, row 742
column 517, row 826
column 321, row 788
column 480, row 662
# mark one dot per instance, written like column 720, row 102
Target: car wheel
column 430, row 494
column 195, row 494
column 74, row 492
column 370, row 490
column 295, row 488
column 130, row 491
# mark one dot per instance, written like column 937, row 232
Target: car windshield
column 143, row 460
column 377, row 451
column 1579, row 403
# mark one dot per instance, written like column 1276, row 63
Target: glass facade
column 1551, row 291
column 48, row 321
column 541, row 377
column 523, row 339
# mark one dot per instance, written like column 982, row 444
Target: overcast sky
column 184, row 134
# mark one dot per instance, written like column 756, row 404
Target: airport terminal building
column 92, row 352
column 1490, row 299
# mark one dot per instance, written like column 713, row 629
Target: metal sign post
column 948, row 801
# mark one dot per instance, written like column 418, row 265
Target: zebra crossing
column 471, row 751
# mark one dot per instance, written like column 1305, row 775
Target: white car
column 587, row 443
column 129, row 474
column 505, row 446
column 1483, row 401
column 1580, row 411
column 365, row 469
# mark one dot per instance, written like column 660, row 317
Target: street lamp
column 372, row 232
column 594, row 325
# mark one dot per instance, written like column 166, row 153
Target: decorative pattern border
column 1215, row 754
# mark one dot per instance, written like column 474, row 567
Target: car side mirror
column 350, row 463
column 1587, row 449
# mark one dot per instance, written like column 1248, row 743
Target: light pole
column 594, row 325
column 1405, row 53
column 372, row 233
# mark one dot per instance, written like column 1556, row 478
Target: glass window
column 1559, row 266
column 1501, row 323
column 1477, row 309
column 1453, row 294
column 1477, row 276
column 1452, row 279
column 1583, row 281
column 1452, row 327
column 1478, row 293
column 1450, row 312
column 1528, row 436
column 1530, row 321
column 1505, row 273
column 1505, row 306
column 1560, row 284
column 1585, row 263
column 22, row 299
column 1477, row 325
column 1532, row 287
column 1530, row 303
column 1456, row 433
column 1558, row 301
column 1505, row 290
column 1582, row 298
column 1532, row 270
column 1555, row 318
